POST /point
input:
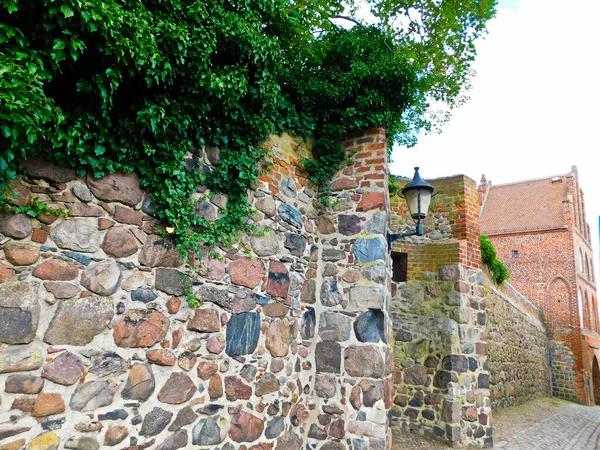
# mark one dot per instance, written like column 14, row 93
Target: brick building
column 539, row 230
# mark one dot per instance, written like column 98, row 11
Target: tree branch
column 347, row 18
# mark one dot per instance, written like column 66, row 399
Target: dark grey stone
column 376, row 273
column 369, row 327
column 117, row 414
column 290, row 215
column 108, row 363
column 441, row 379
column 316, row 432
column 85, row 260
column 143, row 295
column 148, row 206
column 309, row 321
column 328, row 357
column 349, row 224
column 330, row 295
column 472, row 364
column 275, row 427
column 369, row 250
column 333, row 254
column 483, row 381
column 334, row 326
column 155, row 421
column 19, row 312
column 217, row 296
column 242, row 335
column 295, row 243
column 248, row 372
column 185, row 416
column 207, row 432
column 458, row 363
column 53, row 424
column 170, row 281
column 207, row 210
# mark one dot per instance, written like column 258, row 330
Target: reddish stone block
column 371, row 200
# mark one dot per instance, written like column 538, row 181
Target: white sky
column 534, row 104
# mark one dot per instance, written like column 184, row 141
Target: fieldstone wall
column 441, row 381
column 563, row 372
column 98, row 347
column 517, row 347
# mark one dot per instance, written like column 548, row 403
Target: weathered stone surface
column 155, row 421
column 275, row 427
column 128, row 215
column 117, row 187
column 362, row 297
column 65, row 369
column 376, row 273
column 215, row 387
column 245, row 427
column 364, row 361
column 349, row 225
column 333, row 254
column 243, row 331
column 81, row 235
column 19, row 312
column 328, row 357
column 206, row 210
column 161, row 357
column 115, row 435
column 308, row 293
column 171, row 281
column 267, row 384
column 61, row 290
column 295, row 243
column 140, row 328
column 47, row 405
column 40, row 167
column 119, row 242
column 247, row 272
column 140, row 383
column 175, row 441
column 5, row 273
column 275, row 309
column 278, row 337
column 278, row 284
column 289, row 441
column 82, row 443
column 266, row 245
column 242, row 303
column 143, row 295
column 187, row 360
column 325, row 385
column 21, row 359
column 371, row 200
column 415, row 375
column 330, row 294
column 206, row 369
column 92, row 395
column 178, row 389
column 236, row 389
column 21, row 254
column 290, row 215
column 369, row 326
column 210, row 431
column 83, row 210
column 102, row 279
column 205, row 321
column 214, row 295
column 369, row 250
column 46, row 441
column 159, row 252
column 108, row 363
column 339, row 184
column 23, row 384
column 334, row 326
column 56, row 270
column 309, row 321
column 460, row 363
column 15, row 226
column 185, row 416
column 78, row 321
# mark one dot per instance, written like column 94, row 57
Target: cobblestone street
column 544, row 424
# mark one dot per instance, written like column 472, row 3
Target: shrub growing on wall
column 107, row 85
column 489, row 257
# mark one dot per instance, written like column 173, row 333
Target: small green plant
column 192, row 299
column 34, row 208
column 393, row 187
column 489, row 257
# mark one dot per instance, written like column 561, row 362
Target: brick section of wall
column 517, row 348
column 452, row 226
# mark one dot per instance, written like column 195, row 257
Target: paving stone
column 116, row 187
column 81, row 235
column 19, row 312
column 140, row 383
column 65, row 369
column 78, row 321
column 155, row 421
column 140, row 328
column 119, row 242
column 103, row 278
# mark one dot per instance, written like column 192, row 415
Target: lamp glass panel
column 412, row 200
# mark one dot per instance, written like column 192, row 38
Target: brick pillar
column 352, row 355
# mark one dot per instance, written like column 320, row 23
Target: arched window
column 587, row 267
column 580, row 307
column 580, row 260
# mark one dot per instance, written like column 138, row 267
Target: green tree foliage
column 489, row 257
column 107, row 85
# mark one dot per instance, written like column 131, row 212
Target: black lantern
column 418, row 195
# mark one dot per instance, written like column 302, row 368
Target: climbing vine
column 489, row 257
column 134, row 86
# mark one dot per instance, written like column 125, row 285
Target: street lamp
column 418, row 195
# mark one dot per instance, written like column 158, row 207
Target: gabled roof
column 531, row 205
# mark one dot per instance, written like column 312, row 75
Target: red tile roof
column 525, row 206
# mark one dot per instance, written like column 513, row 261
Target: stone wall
column 99, row 348
column 517, row 347
column 563, row 372
column 439, row 318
